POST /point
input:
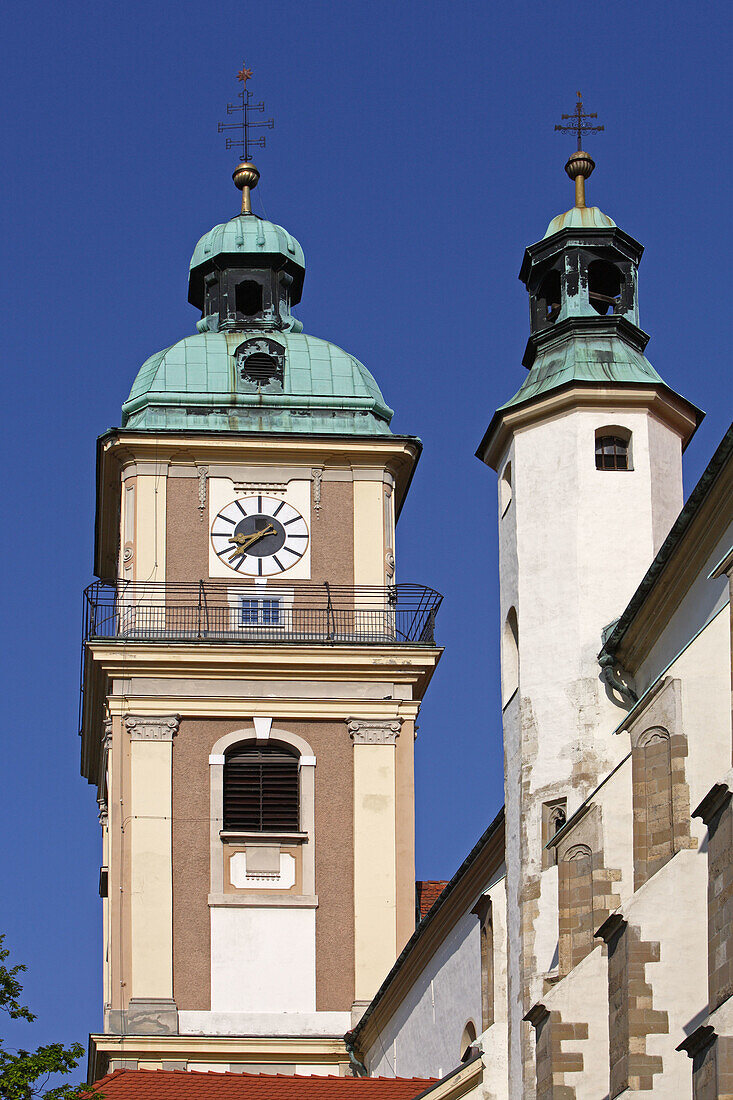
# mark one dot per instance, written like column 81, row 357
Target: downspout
column 610, row 669
column 357, row 1068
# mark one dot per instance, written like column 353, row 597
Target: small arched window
column 509, row 657
column 467, row 1040
column 505, row 488
column 613, row 449
column 261, row 789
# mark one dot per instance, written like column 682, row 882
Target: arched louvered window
column 261, row 789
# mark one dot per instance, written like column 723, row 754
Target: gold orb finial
column 579, row 167
column 246, row 177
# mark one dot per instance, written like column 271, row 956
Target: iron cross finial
column 577, row 124
column 246, row 106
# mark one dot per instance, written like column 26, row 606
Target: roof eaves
column 670, row 544
column 425, row 923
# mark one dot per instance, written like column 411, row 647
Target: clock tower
column 252, row 674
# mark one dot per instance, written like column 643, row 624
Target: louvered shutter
column 261, row 790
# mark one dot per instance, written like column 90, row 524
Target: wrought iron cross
column 245, row 143
column 577, row 124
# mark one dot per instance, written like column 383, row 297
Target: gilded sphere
column 580, row 164
column 245, row 175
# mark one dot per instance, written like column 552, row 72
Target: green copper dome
column 580, row 217
column 203, row 383
column 598, row 358
column 247, row 234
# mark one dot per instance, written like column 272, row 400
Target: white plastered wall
column 582, row 998
column 573, row 545
column 263, row 960
column 423, row 1037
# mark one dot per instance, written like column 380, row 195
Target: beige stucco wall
column 151, row 872
column 375, row 902
column 369, row 545
column 150, row 525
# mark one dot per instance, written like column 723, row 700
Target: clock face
column 259, row 536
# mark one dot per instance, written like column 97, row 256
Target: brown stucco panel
column 334, row 859
column 187, row 535
column 332, row 534
column 331, row 528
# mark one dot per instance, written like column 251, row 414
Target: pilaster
column 375, row 851
column 151, row 877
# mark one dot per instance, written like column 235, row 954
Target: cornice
column 260, row 450
column 470, row 878
column 661, row 402
column 175, row 1047
column 677, row 575
column 401, row 664
column 377, row 712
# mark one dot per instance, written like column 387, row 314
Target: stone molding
column 144, row 1016
column 713, row 802
column 152, row 729
column 374, row 731
column 698, row 1041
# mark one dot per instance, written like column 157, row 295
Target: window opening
column 248, row 297
column 548, row 297
column 604, row 287
column 467, row 1040
column 261, row 790
column 260, row 612
column 510, row 656
column 612, row 452
column 505, row 488
column 554, row 817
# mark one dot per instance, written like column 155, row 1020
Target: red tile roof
column 427, row 894
column 163, row 1084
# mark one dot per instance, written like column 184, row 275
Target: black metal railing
column 217, row 611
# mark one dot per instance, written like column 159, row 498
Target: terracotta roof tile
column 161, row 1084
column 427, row 893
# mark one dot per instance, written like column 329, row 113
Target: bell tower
column 252, row 673
column 588, row 456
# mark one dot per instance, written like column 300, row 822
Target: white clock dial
column 259, row 536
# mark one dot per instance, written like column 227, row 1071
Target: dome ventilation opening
column 261, row 368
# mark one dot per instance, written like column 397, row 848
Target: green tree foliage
column 24, row 1074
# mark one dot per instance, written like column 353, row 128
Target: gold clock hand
column 245, row 541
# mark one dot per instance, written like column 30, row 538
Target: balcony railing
column 211, row 611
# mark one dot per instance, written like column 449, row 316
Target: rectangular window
column 260, row 612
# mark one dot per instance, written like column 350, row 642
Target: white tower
column 588, row 454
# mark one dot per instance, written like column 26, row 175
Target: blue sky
column 414, row 157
